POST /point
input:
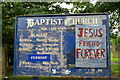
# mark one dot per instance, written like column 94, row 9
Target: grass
column 115, row 66
column 114, row 59
column 115, row 69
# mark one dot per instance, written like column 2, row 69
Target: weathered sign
column 91, row 48
column 62, row 45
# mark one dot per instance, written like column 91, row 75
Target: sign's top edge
column 50, row 15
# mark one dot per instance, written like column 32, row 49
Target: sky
column 69, row 6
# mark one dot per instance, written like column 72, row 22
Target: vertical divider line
column 61, row 45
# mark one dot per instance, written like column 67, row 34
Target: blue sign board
column 75, row 45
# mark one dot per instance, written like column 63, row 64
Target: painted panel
column 46, row 46
column 91, row 48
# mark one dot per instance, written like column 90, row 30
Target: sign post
column 35, row 78
column 74, row 45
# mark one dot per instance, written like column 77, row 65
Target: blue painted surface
column 35, row 78
column 40, row 57
column 58, row 62
column 108, row 37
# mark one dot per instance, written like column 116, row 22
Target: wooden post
column 1, row 63
column 88, row 78
column 4, row 60
column 35, row 78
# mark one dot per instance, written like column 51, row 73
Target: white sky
column 70, row 6
column 64, row 5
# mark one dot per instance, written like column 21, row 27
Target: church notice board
column 74, row 45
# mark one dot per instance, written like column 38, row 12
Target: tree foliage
column 112, row 8
column 84, row 7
